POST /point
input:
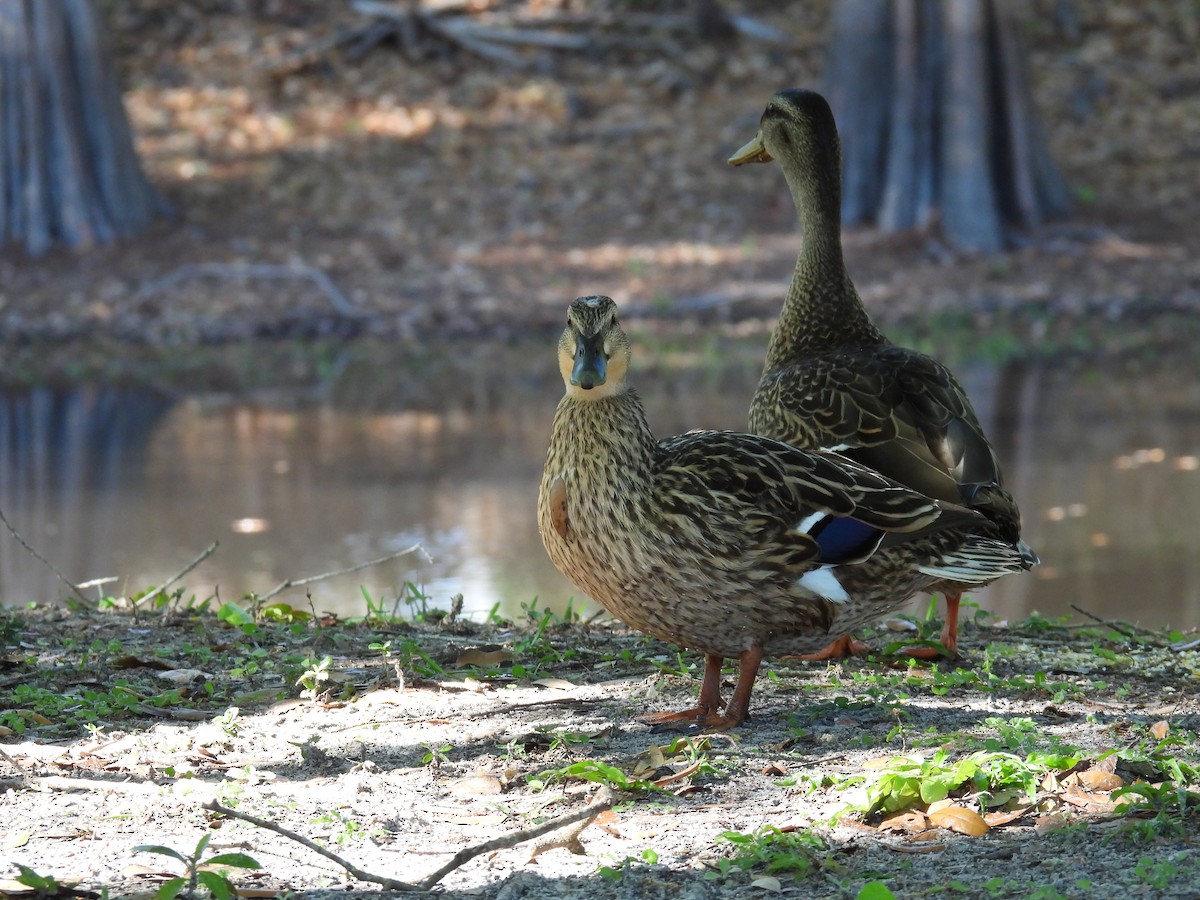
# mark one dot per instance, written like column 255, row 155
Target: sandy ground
column 395, row 771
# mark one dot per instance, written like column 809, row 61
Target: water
column 132, row 484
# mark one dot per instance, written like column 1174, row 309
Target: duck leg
column 949, row 634
column 708, row 703
column 738, row 709
column 706, row 714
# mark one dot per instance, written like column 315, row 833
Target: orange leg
column 842, row 648
column 949, row 634
column 706, row 713
column 708, row 703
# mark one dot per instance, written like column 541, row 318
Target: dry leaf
column 910, row 820
column 478, row 785
column 768, row 883
column 1108, row 764
column 960, row 819
column 1088, row 802
column 1099, row 780
column 939, row 804
column 930, row 835
column 560, row 684
column 1051, row 822
column 1160, row 729
column 773, row 769
column 473, row 656
column 998, row 818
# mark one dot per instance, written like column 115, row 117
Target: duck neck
column 822, row 310
column 610, row 432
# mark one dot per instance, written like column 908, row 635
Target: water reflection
column 119, row 482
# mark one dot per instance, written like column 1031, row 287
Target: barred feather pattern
column 698, row 539
column 832, row 380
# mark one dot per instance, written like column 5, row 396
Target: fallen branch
column 419, row 30
column 312, row 579
column 1119, row 627
column 59, row 575
column 204, row 554
column 254, row 270
column 461, row 858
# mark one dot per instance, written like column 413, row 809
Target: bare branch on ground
column 312, row 579
column 204, row 554
column 461, row 858
column 59, row 575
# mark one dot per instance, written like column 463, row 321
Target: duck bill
column 591, row 366
column 754, row 151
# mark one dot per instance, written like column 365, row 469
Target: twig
column 311, row 579
column 204, row 554
column 1108, row 624
column 254, row 270
column 461, row 858
column 61, row 577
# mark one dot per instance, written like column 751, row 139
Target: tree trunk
column 936, row 116
column 68, row 169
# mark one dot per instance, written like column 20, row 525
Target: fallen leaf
column 560, row 684
column 1160, row 729
column 930, row 835
column 960, row 819
column 137, row 662
column 1091, row 803
column 773, row 769
column 998, row 818
column 478, row 785
column 1050, row 822
column 1108, row 764
column 767, row 883
column 1099, row 780
column 910, row 821
column 473, row 656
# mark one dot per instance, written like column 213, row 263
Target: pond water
column 133, row 484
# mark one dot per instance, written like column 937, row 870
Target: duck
column 833, row 381
column 735, row 545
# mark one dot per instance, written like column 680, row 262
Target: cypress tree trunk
column 937, row 117
column 68, row 169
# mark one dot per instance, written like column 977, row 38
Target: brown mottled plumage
column 730, row 544
column 833, row 381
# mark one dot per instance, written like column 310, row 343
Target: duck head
column 593, row 352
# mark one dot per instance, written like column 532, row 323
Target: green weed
column 995, row 777
column 590, row 770
column 769, row 849
column 647, row 857
column 216, row 883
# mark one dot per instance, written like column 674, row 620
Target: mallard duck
column 833, row 381
column 732, row 544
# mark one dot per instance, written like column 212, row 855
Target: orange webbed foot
column 697, row 718
column 842, row 648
